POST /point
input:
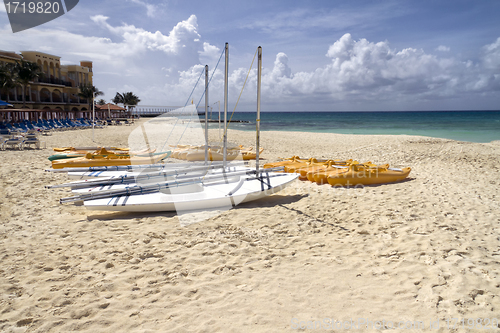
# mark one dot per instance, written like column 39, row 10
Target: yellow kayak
column 215, row 153
column 250, row 154
column 318, row 167
column 285, row 162
column 89, row 149
column 341, row 173
column 181, row 151
column 102, row 151
column 320, row 175
column 303, row 167
column 364, row 174
column 91, row 160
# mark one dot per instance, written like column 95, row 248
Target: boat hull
column 209, row 197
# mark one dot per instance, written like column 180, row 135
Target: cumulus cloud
column 209, row 54
column 366, row 73
column 281, row 68
column 363, row 70
column 146, row 60
column 137, row 38
column 162, row 67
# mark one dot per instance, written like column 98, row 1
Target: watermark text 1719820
column 28, row 14
column 32, row 7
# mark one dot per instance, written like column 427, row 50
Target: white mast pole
column 259, row 74
column 206, row 114
column 226, row 74
column 93, row 115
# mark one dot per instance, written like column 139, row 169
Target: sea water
column 472, row 126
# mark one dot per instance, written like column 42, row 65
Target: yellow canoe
column 199, row 155
column 320, row 176
column 215, row 153
column 363, row 174
column 91, row 160
column 303, row 167
column 181, row 151
column 318, row 167
column 249, row 154
column 285, row 162
column 102, row 151
column 307, row 166
column 89, row 149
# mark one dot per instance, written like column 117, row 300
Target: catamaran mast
column 93, row 115
column 226, row 73
column 206, row 114
column 259, row 74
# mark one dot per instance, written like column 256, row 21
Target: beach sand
column 410, row 253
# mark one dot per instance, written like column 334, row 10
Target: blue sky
column 317, row 55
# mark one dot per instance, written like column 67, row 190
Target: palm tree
column 88, row 92
column 26, row 71
column 101, row 102
column 128, row 99
column 7, row 78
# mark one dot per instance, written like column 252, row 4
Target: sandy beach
column 418, row 253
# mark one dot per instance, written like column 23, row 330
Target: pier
column 154, row 111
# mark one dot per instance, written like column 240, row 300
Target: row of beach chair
column 46, row 127
column 20, row 141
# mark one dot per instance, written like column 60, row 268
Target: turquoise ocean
column 472, row 126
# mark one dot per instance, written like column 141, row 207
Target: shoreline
column 420, row 250
column 364, row 134
column 471, row 126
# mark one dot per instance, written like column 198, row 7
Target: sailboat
column 181, row 189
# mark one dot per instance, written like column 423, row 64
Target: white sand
column 420, row 250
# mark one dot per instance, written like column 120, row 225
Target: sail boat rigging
column 218, row 187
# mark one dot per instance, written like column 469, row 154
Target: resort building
column 56, row 92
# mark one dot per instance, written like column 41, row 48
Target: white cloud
column 50, row 41
column 140, row 39
column 162, row 67
column 360, row 72
column 442, row 48
column 366, row 71
column 281, row 68
column 209, row 54
column 491, row 56
column 150, row 9
column 182, row 45
column 130, row 54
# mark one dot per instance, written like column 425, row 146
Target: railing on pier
column 153, row 111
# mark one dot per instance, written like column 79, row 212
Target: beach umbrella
column 4, row 104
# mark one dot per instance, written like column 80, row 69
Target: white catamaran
column 182, row 187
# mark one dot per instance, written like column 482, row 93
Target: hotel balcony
column 54, row 81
